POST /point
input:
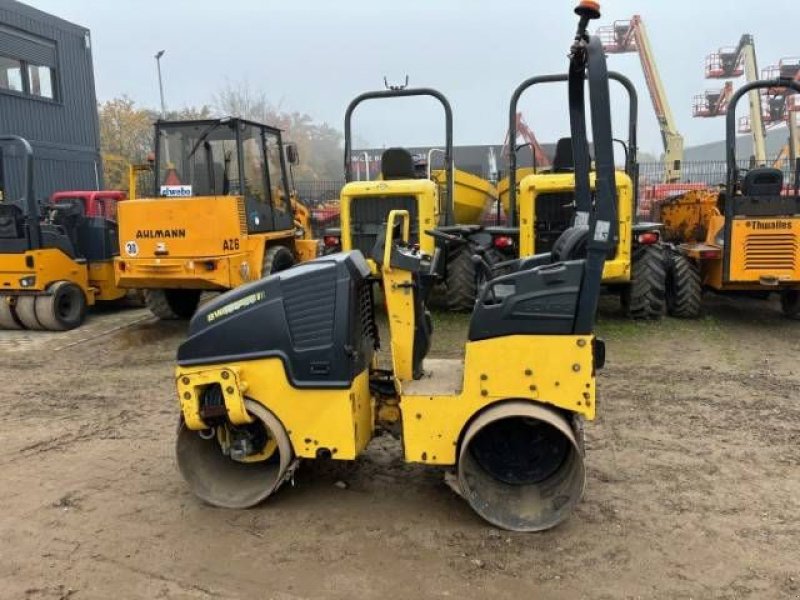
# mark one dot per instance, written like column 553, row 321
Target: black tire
column 645, row 297
column 460, row 280
column 684, row 289
column 63, row 308
column 171, row 305
column 790, row 304
column 8, row 320
column 276, row 259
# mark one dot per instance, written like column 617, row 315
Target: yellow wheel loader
column 447, row 198
column 283, row 369
column 222, row 214
column 543, row 204
column 55, row 260
column 744, row 240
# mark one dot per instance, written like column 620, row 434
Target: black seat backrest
column 54, row 236
column 397, row 163
column 563, row 161
column 11, row 221
column 541, row 300
column 763, row 181
column 571, row 244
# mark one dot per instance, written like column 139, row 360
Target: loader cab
column 226, row 157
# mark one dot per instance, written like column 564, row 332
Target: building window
column 40, row 80
column 11, row 74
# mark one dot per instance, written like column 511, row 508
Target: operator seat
column 563, row 159
column 11, row 221
column 763, row 181
column 397, row 163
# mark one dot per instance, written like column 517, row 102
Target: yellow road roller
column 283, row 369
column 55, row 259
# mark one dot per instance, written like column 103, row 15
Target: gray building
column 47, row 96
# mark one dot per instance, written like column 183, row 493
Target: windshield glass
column 197, row 159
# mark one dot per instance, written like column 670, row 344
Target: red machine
column 95, row 204
column 540, row 157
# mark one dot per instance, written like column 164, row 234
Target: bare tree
column 319, row 143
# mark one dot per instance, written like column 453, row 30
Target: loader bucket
column 520, row 467
column 227, row 483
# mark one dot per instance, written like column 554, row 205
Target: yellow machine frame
column 618, row 268
column 425, row 192
column 561, row 376
column 45, row 266
column 763, row 250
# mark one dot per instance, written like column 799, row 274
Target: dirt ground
column 693, row 490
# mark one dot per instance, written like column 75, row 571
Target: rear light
column 503, row 241
column 715, row 254
column 331, row 241
column 122, row 265
column 649, row 238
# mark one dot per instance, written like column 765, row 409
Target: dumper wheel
column 645, row 297
column 460, row 280
column 790, row 303
column 25, row 309
column 170, row 305
column 8, row 319
column 63, row 308
column 684, row 290
column 276, row 259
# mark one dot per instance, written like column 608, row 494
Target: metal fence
column 709, row 172
column 322, row 196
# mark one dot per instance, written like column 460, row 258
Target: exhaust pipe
column 237, row 482
column 520, row 467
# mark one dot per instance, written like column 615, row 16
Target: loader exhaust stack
column 521, row 467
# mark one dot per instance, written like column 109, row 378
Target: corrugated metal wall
column 65, row 133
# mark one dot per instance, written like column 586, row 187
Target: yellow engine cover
column 765, row 250
column 181, row 227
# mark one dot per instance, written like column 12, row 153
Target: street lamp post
column 159, row 54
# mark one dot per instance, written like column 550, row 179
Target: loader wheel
column 645, row 298
column 63, row 308
column 25, row 310
column 790, row 303
column 460, row 280
column 170, row 305
column 7, row 318
column 276, row 259
column 684, row 290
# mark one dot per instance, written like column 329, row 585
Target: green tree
column 126, row 136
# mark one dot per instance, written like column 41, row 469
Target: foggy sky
column 313, row 56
